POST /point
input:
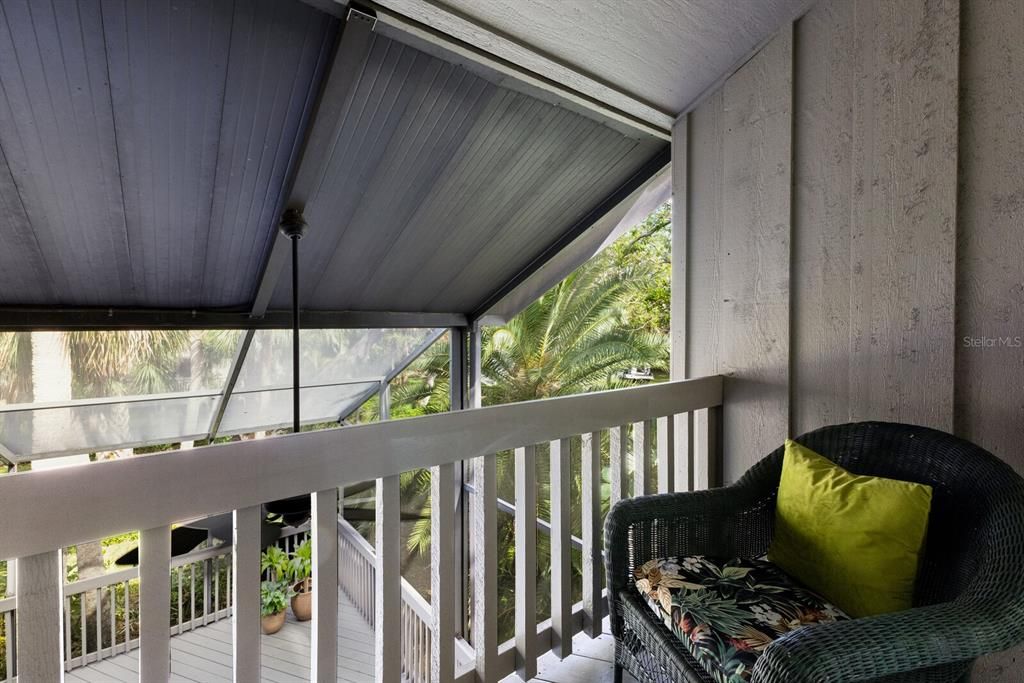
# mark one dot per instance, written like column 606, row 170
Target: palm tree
column 574, row 339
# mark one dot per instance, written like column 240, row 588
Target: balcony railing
column 674, row 427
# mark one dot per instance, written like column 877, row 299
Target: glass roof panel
column 82, row 392
column 260, row 410
column 28, row 432
column 328, row 356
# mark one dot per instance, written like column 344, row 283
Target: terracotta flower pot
column 302, row 601
column 272, row 623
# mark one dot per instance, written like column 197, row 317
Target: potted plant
column 300, row 568
column 273, row 601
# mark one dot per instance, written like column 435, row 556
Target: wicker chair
column 969, row 598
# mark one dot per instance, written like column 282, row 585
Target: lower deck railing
column 671, row 429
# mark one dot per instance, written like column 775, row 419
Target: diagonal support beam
column 304, row 177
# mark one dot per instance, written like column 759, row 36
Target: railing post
column 324, row 530
column 245, row 594
column 617, row 452
column 561, row 548
column 154, row 604
column 39, row 629
column 526, row 561
column 642, row 442
column 592, row 560
column 666, row 454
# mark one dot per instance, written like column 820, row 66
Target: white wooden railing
column 47, row 510
column 110, row 625
column 358, row 576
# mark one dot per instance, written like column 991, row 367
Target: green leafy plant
column 300, row 565
column 273, row 597
column 274, row 564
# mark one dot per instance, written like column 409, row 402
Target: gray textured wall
column 853, row 208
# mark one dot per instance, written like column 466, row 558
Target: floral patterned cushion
column 727, row 612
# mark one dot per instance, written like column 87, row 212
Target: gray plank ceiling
column 145, row 147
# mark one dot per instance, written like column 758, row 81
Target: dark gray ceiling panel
column 148, row 142
column 442, row 184
column 57, row 133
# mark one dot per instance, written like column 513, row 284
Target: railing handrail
column 410, row 595
column 111, row 578
column 160, row 489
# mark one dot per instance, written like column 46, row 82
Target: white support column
column 643, row 440
column 442, row 574
column 561, row 548
column 155, row 604
column 388, row 578
column 245, row 594
column 526, row 561
column 446, row 535
column 666, row 454
column 618, row 475
column 40, row 632
column 324, row 528
column 592, row 559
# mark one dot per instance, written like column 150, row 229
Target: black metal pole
column 293, row 226
column 295, row 333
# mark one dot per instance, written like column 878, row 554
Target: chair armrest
column 889, row 644
column 734, row 521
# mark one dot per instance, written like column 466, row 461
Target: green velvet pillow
column 856, row 540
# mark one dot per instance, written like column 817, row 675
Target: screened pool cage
column 191, row 385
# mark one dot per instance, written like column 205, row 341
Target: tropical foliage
column 585, row 334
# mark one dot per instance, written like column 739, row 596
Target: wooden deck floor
column 591, row 662
column 204, row 655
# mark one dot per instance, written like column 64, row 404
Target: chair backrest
column 975, row 545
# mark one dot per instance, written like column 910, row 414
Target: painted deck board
column 204, row 654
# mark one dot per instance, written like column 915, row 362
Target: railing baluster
column 245, row 617
column 180, row 572
column 113, row 619
column 192, row 596
column 388, row 590
column 618, row 476
column 9, row 641
column 666, row 454
column 685, row 477
column 324, row 645
column 99, row 623
column 67, row 638
column 526, row 561
column 642, row 441
column 442, row 573
column 127, row 616
column 591, row 466
column 707, row 445
column 561, row 548
column 83, row 632
column 484, row 543
column 154, row 604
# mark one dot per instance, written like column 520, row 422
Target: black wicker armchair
column 969, row 597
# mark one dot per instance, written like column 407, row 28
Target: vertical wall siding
column 990, row 246
column 853, row 203
column 754, row 256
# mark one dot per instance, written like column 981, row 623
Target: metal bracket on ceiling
column 359, row 14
